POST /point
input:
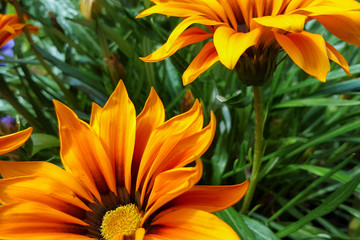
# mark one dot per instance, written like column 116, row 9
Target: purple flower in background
column 7, row 50
column 8, row 124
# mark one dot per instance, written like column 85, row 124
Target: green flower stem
column 72, row 100
column 257, row 151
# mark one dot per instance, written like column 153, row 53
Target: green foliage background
column 310, row 173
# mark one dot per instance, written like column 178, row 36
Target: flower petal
column 13, row 141
column 289, row 23
column 181, row 9
column 25, row 219
column 188, row 149
column 344, row 26
column 230, row 45
column 43, row 169
column 164, row 138
column 82, row 153
column 189, row 36
column 151, row 117
column 190, row 224
column 210, row 198
column 181, row 27
column 48, row 191
column 117, row 133
column 95, row 117
column 337, row 57
column 308, row 51
column 170, row 184
column 203, row 61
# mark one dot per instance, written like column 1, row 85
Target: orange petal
column 170, row 184
column 190, row 224
column 182, row 9
column 95, row 117
column 181, row 27
column 30, row 217
column 337, row 57
column 13, row 141
column 289, row 23
column 82, row 153
column 48, row 191
column 164, row 138
column 117, row 133
column 203, row 61
column 246, row 7
column 211, row 198
column 230, row 44
column 308, row 51
column 189, row 36
column 345, row 26
column 189, row 148
column 151, row 117
column 43, row 169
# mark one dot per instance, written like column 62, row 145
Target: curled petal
column 345, row 26
column 308, row 51
column 13, row 141
column 189, row 36
column 337, row 57
column 207, row 57
column 211, row 198
column 230, row 45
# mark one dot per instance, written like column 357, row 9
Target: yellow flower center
column 124, row 220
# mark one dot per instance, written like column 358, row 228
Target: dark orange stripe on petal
column 117, row 133
column 44, row 169
column 82, row 153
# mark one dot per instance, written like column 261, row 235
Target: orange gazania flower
column 13, row 141
column 125, row 177
column 247, row 28
column 10, row 28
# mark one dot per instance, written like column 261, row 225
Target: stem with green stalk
column 257, row 151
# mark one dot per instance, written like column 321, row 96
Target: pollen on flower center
column 124, row 220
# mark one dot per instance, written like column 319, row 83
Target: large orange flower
column 13, row 141
column 10, row 28
column 255, row 30
column 125, row 177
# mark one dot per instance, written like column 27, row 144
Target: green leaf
column 238, row 99
column 247, row 228
column 311, row 102
column 330, row 204
column 43, row 141
column 321, row 171
column 220, row 159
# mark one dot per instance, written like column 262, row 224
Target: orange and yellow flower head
column 10, row 28
column 125, row 176
column 247, row 34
